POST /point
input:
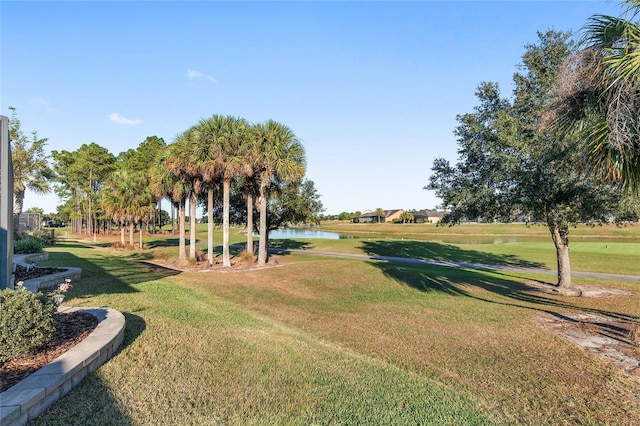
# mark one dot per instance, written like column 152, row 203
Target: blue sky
column 371, row 88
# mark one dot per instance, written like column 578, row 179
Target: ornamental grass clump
column 26, row 322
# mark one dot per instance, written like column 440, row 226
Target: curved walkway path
column 468, row 265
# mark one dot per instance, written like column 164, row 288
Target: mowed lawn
column 316, row 340
column 606, row 249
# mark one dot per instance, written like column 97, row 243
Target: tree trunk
column 192, row 226
column 173, row 218
column 210, row 226
column 226, row 190
column 89, row 222
column 131, row 234
column 141, row 237
column 262, row 244
column 182, row 250
column 249, row 222
column 561, row 240
column 122, row 233
column 18, row 202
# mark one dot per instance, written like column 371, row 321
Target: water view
column 281, row 234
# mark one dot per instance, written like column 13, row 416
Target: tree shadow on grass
column 441, row 252
column 104, row 273
column 164, row 242
column 287, row 244
column 456, row 281
column 92, row 402
column 134, row 327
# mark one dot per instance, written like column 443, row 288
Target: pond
column 295, row 233
column 289, row 233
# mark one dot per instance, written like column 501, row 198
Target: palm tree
column 208, row 153
column 235, row 161
column 278, row 155
column 178, row 162
column 128, row 199
column 163, row 183
column 599, row 99
column 379, row 213
column 113, row 199
column 250, row 189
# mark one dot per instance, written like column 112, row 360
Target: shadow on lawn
column 92, row 402
column 439, row 251
column 104, row 273
column 453, row 281
column 287, row 244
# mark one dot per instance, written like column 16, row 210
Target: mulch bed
column 24, row 273
column 71, row 329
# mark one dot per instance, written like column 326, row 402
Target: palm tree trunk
column 122, row 233
column 140, row 237
column 182, row 250
column 173, row 218
column 210, row 226
column 262, row 244
column 131, row 234
column 226, row 190
column 249, row 222
column 192, row 226
column 18, row 202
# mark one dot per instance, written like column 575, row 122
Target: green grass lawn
column 606, row 249
column 335, row 341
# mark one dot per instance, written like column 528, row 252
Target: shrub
column 245, row 258
column 123, row 247
column 28, row 245
column 26, row 322
column 47, row 236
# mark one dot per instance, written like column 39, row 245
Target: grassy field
column 607, row 249
column 334, row 341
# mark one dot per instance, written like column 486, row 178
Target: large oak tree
column 510, row 165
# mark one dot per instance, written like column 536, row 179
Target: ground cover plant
column 318, row 340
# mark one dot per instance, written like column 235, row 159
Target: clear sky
column 371, row 88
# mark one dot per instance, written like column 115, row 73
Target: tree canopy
column 30, row 163
column 510, row 166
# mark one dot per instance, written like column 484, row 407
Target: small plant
column 28, row 245
column 26, row 322
column 62, row 288
column 48, row 237
column 200, row 255
column 245, row 258
column 124, row 247
column 57, row 295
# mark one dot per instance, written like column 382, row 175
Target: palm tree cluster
column 216, row 152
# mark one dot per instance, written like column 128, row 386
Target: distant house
column 369, row 216
column 391, row 215
column 427, row 216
